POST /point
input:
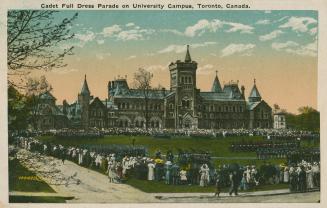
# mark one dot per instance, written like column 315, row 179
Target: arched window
column 171, row 106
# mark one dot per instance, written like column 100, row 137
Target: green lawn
column 21, row 179
column 36, row 199
column 217, row 147
column 161, row 187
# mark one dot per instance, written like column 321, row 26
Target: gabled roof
column 230, row 92
column 47, row 96
column 252, row 105
column 97, row 102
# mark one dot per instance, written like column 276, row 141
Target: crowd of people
column 270, row 134
column 127, row 162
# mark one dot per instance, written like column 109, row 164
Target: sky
column 277, row 48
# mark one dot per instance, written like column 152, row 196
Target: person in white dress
column 316, row 174
column 183, row 176
column 286, row 175
column 151, row 167
column 204, row 172
column 111, row 171
column 309, row 175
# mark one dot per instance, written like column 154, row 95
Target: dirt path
column 92, row 188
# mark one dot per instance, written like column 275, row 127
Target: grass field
column 21, row 179
column 36, row 199
column 217, row 147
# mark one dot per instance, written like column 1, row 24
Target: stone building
column 183, row 105
column 279, row 120
column 47, row 114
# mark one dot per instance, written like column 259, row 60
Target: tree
column 32, row 42
column 306, row 109
column 276, row 108
column 307, row 119
column 34, row 89
column 142, row 81
column 17, row 110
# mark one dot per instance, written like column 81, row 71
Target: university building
column 183, row 105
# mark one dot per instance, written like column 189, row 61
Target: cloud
column 131, row 57
column 63, row 70
column 274, row 34
column 280, row 46
column 129, row 35
column 238, row 27
column 297, row 49
column 130, row 24
column 242, row 49
column 299, row 24
column 203, row 25
column 205, row 70
column 109, row 31
column 175, row 32
column 100, row 42
column 128, row 32
column 88, row 36
column 182, row 48
column 134, row 34
column 263, row 22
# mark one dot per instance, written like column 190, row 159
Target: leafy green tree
column 18, row 111
column 307, row 119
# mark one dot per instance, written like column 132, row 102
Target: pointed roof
column 47, row 96
column 216, row 87
column 85, row 89
column 255, row 95
column 188, row 56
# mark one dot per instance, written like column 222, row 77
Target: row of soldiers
column 253, row 146
column 292, row 155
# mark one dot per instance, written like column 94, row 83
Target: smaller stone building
column 279, row 120
column 48, row 115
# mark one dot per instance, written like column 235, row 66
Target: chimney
column 163, row 90
column 243, row 89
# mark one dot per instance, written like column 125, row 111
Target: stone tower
column 183, row 83
column 254, row 95
column 84, row 99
